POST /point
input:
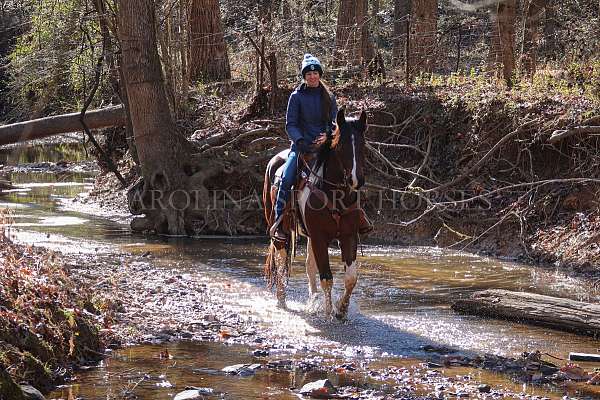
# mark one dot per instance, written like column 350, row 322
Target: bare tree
column 502, row 48
column 423, row 40
column 374, row 8
column 506, row 30
column 401, row 15
column 265, row 9
column 161, row 150
column 550, row 28
column 531, row 27
column 208, row 59
column 352, row 39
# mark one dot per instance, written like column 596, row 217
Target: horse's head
column 350, row 147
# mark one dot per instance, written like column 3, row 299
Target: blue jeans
column 290, row 168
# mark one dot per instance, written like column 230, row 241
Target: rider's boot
column 277, row 232
column 364, row 225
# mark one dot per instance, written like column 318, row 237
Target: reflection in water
column 25, row 154
column 401, row 302
column 188, row 364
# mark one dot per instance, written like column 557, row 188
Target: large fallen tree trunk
column 565, row 133
column 558, row 313
column 65, row 123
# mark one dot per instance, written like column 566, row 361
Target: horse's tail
column 267, row 201
column 270, row 270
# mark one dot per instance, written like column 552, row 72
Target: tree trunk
column 265, row 11
column 550, row 29
column 208, row 59
column 161, row 150
column 374, row 9
column 533, row 11
column 494, row 58
column 286, row 12
column 502, row 48
column 423, row 40
column 299, row 12
column 401, row 14
column 558, row 313
column 506, row 29
column 114, row 78
column 352, row 39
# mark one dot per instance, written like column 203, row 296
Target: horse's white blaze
column 354, row 178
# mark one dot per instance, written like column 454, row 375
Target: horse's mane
column 328, row 140
column 325, row 143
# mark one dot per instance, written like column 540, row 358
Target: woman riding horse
column 310, row 112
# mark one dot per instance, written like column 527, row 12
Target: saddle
column 291, row 211
column 293, row 215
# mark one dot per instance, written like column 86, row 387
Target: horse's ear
column 363, row 118
column 340, row 118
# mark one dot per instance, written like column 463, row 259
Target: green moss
column 8, row 388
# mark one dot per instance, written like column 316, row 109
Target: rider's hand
column 302, row 146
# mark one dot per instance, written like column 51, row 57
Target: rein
column 322, row 178
column 336, row 214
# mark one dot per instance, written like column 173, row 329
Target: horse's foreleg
column 350, row 278
column 327, row 285
column 311, row 270
column 348, row 245
column 320, row 252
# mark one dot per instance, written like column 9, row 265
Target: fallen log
column 553, row 312
column 58, row 124
column 584, row 357
column 565, row 133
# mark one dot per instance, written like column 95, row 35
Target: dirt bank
column 48, row 324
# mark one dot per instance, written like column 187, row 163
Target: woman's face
column 312, row 78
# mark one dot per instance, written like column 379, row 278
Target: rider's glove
column 302, row 146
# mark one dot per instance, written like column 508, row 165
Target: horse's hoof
column 341, row 316
column 341, row 308
column 281, row 304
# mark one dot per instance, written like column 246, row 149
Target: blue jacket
column 304, row 114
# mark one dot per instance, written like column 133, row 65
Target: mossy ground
column 45, row 328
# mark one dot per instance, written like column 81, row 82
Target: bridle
column 344, row 186
column 335, row 212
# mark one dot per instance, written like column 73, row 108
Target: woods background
column 484, row 114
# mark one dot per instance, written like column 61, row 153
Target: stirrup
column 276, row 232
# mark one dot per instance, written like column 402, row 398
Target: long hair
column 326, row 100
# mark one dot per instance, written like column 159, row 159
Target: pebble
column 193, row 394
column 242, row 369
column 321, row 389
column 32, row 393
column 484, row 388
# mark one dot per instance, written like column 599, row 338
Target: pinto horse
column 328, row 203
